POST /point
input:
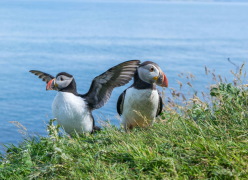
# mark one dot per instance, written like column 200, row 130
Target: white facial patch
column 63, row 81
column 146, row 75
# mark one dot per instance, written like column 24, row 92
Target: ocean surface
column 87, row 38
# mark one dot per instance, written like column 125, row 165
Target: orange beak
column 162, row 80
column 50, row 85
column 165, row 81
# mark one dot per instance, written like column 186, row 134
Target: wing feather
column 103, row 85
column 160, row 105
column 44, row 76
column 120, row 103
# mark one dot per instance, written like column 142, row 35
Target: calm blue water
column 87, row 38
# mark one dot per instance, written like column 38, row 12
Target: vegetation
column 194, row 139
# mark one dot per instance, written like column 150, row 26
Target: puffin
column 72, row 110
column 139, row 104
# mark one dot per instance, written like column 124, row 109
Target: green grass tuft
column 194, row 139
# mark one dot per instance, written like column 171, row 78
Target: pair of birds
column 138, row 105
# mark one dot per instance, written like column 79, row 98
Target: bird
column 139, row 104
column 72, row 110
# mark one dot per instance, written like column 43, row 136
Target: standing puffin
column 74, row 111
column 141, row 102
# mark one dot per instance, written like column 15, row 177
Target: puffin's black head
column 150, row 73
column 62, row 82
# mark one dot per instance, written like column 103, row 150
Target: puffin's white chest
column 72, row 113
column 140, row 107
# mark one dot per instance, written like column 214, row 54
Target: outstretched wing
column 120, row 103
column 103, row 85
column 44, row 76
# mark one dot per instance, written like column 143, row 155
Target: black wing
column 103, row 85
column 160, row 105
column 44, row 76
column 120, row 103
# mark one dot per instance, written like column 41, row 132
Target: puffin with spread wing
column 73, row 110
column 141, row 103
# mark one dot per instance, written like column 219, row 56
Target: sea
column 86, row 38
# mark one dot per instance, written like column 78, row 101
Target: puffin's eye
column 61, row 79
column 151, row 69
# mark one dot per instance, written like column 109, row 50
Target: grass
column 193, row 139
